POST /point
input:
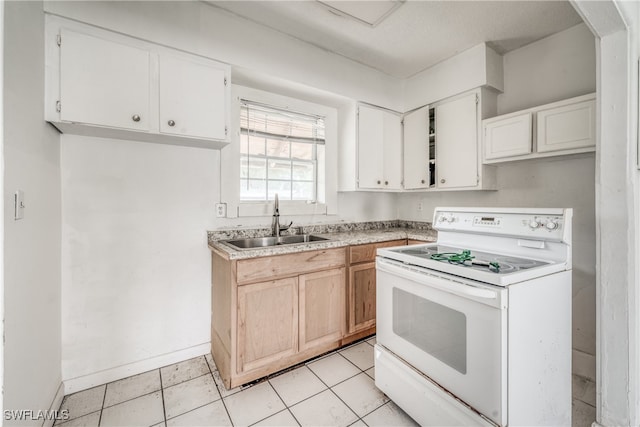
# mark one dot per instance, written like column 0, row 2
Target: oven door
column 451, row 329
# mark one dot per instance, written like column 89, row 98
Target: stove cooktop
column 510, row 269
column 482, row 261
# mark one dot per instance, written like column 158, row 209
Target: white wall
column 558, row 67
column 135, row 264
column 32, row 350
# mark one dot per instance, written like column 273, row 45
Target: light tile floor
column 334, row 390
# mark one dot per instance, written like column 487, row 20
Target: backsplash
column 226, row 234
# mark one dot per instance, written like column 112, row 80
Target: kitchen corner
column 275, row 307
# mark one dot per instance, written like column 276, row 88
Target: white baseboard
column 583, row 364
column 55, row 405
column 84, row 382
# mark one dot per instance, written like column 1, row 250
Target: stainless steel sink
column 261, row 242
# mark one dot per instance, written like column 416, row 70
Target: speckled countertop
column 339, row 235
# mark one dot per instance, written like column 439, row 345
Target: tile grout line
column 104, row 398
column 164, row 408
column 224, row 405
column 286, row 407
column 331, row 390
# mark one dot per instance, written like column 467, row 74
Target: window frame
column 327, row 182
column 246, row 134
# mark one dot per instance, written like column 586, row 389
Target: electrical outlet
column 420, row 206
column 221, row 210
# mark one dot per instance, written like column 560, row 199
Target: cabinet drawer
column 272, row 267
column 367, row 253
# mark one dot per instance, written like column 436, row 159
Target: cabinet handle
column 422, row 182
column 442, row 181
column 171, row 123
column 135, row 118
column 386, row 183
column 379, row 181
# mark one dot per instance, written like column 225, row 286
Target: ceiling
column 408, row 37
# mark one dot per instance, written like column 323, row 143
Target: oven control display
column 486, row 221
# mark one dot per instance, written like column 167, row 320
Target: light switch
column 18, row 200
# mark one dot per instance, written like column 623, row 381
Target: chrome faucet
column 275, row 223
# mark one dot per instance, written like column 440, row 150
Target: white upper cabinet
column 508, row 137
column 192, row 94
column 433, row 148
column 567, row 127
column 103, row 83
column 564, row 127
column 416, row 149
column 457, row 143
column 379, row 140
column 100, row 83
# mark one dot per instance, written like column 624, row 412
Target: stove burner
column 465, row 258
column 478, row 260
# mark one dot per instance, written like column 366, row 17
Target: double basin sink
column 263, row 242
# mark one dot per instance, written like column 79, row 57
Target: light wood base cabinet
column 270, row 313
column 267, row 323
column 361, row 289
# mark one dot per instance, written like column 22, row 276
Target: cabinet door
column 267, row 322
column 392, row 152
column 370, row 147
column 508, row 137
column 192, row 97
column 416, row 149
column 103, row 82
column 321, row 297
column 362, row 297
column 457, row 143
column 568, row 127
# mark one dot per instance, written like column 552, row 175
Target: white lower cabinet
column 564, row 127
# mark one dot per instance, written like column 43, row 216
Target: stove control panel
column 538, row 224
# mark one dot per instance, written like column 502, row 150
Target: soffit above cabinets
column 402, row 38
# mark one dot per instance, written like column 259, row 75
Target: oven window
column 432, row 327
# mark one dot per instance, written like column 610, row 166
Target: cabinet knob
column 171, row 123
column 442, row 181
column 422, row 182
column 379, row 181
column 386, row 183
column 135, row 118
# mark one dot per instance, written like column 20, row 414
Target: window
column 279, row 152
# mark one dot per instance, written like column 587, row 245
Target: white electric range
column 476, row 328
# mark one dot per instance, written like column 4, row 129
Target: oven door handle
column 417, row 274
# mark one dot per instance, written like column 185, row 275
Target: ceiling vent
column 370, row 13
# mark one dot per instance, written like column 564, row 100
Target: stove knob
column 533, row 224
column 451, row 219
column 551, row 225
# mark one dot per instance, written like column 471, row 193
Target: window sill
column 287, row 208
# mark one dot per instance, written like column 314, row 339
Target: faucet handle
column 286, row 227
